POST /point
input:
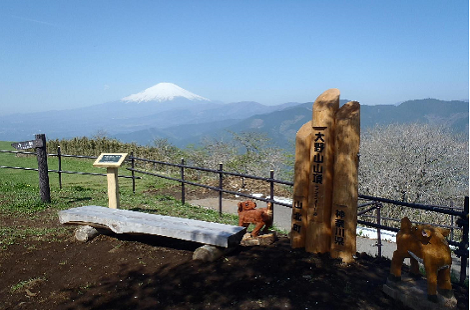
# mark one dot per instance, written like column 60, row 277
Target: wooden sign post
column 112, row 161
column 345, row 184
column 43, row 171
column 320, row 190
column 324, row 213
column 301, row 184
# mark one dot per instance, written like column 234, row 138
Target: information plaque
column 110, row 160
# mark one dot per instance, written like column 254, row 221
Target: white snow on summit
column 163, row 92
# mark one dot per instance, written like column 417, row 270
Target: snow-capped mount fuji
column 163, row 105
column 163, row 92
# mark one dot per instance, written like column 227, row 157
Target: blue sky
column 65, row 54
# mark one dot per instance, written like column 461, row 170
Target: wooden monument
column 301, row 184
column 345, row 184
column 325, row 179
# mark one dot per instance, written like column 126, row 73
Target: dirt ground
column 113, row 272
column 151, row 272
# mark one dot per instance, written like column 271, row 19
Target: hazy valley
column 166, row 111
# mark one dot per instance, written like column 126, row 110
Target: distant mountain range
column 170, row 112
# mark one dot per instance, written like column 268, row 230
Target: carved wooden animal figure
column 248, row 214
column 426, row 244
column 246, row 205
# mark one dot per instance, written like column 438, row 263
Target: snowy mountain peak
column 163, row 92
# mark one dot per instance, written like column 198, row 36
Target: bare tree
column 256, row 155
column 246, row 152
column 211, row 153
column 167, row 151
column 413, row 163
column 100, row 134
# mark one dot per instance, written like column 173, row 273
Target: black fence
column 59, row 171
column 460, row 214
column 374, row 203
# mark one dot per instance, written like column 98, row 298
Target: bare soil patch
column 142, row 272
column 151, row 272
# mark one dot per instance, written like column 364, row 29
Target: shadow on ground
column 273, row 277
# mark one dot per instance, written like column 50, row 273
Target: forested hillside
column 281, row 126
column 410, row 162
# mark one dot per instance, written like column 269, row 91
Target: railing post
column 133, row 173
column 183, row 198
column 271, row 189
column 464, row 243
column 379, row 237
column 59, row 157
column 221, row 177
column 43, row 170
column 452, row 221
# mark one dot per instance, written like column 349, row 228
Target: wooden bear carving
column 248, row 214
column 426, row 244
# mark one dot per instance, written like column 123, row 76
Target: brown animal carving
column 426, row 244
column 248, row 214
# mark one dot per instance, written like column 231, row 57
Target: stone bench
column 132, row 222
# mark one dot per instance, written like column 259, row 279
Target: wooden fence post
column 43, row 169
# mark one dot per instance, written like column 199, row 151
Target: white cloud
column 34, row 21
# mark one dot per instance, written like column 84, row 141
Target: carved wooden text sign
column 324, row 213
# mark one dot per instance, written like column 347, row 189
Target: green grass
column 24, row 284
column 15, row 235
column 68, row 164
column 20, row 198
column 20, row 187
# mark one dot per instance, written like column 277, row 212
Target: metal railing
column 59, row 171
column 462, row 252
column 375, row 203
column 221, row 173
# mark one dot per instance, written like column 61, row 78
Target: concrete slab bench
column 133, row 222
